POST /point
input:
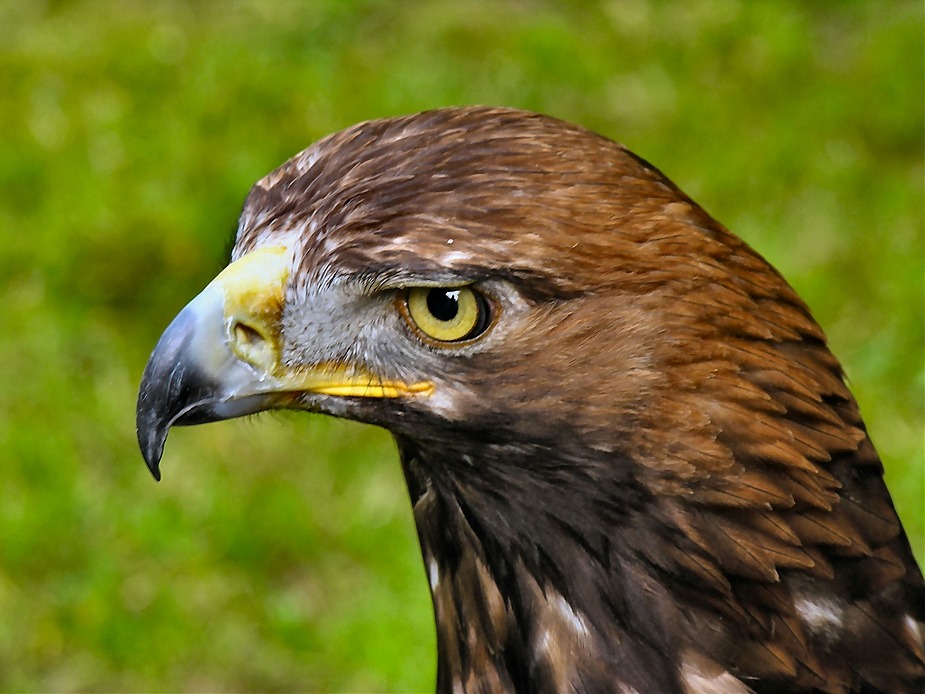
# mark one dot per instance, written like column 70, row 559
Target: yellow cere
column 252, row 293
column 254, row 284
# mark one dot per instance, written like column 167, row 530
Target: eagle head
column 633, row 461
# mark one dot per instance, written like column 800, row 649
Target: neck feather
column 523, row 599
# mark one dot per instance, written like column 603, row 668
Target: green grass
column 279, row 553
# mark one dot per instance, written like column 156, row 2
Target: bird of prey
column 633, row 461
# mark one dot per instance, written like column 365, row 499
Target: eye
column 448, row 314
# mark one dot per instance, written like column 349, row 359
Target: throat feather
column 520, row 599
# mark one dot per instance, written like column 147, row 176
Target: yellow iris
column 447, row 314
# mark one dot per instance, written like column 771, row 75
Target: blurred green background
column 279, row 552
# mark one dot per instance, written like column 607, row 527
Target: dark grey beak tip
column 151, row 436
column 153, row 461
column 164, row 389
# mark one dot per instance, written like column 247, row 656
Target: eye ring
column 447, row 315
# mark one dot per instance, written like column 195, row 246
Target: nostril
column 253, row 346
column 245, row 335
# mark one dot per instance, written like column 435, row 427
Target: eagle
column 633, row 462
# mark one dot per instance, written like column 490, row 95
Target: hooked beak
column 220, row 358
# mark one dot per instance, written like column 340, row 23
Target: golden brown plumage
column 642, row 471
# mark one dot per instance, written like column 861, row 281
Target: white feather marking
column 433, row 573
column 456, row 257
column 700, row 675
column 915, row 629
column 308, row 160
column 330, row 245
column 572, row 619
column 442, row 401
column 821, row 614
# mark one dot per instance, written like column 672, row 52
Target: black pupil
column 443, row 304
